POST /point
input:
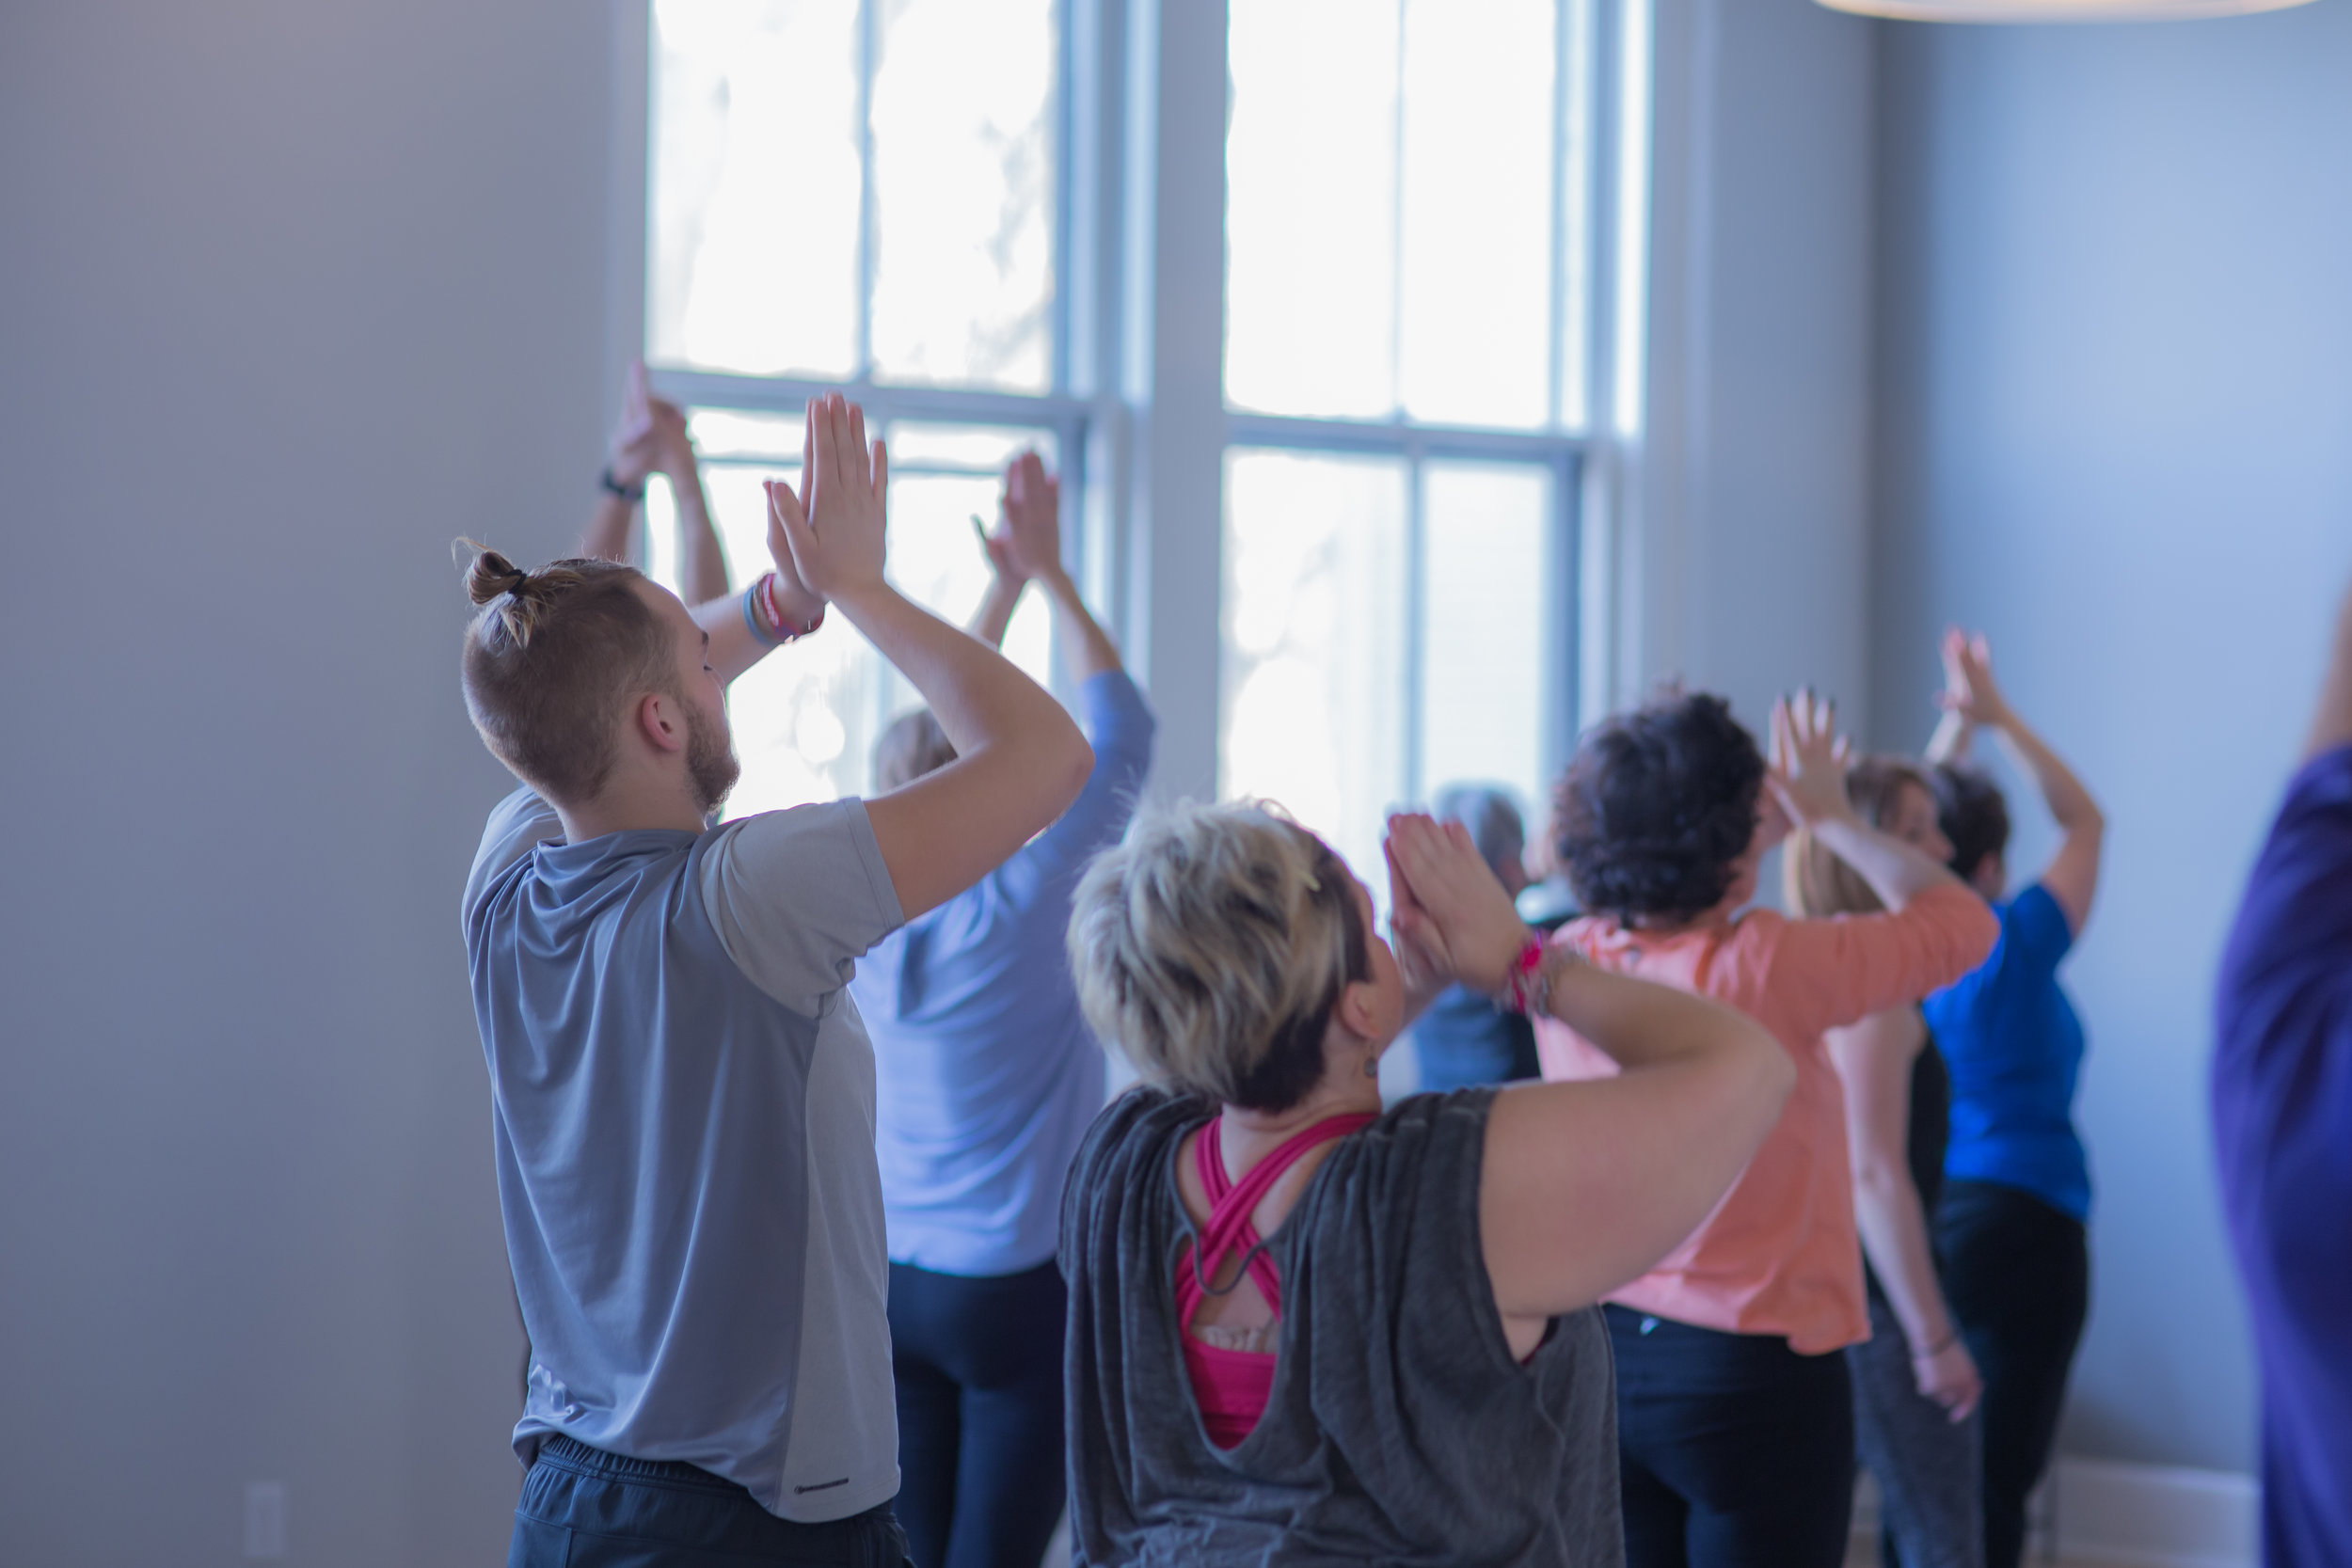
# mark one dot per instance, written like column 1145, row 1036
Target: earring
column 1372, row 1065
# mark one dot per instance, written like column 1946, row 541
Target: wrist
column 623, row 483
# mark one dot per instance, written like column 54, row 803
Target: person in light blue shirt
column 989, row 1080
column 681, row 1096
column 2011, row 1225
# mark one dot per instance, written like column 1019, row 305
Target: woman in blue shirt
column 2017, row 1188
column 987, row 1080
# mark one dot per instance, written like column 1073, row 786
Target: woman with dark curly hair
column 1735, row 1415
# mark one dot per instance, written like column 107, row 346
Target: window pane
column 1314, row 663
column 1473, row 329
column 752, row 253
column 1485, row 568
column 964, row 191
column 1311, row 207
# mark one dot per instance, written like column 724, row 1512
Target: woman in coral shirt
column 1735, row 1414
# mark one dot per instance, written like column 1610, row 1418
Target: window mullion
column 1416, row 615
column 869, row 61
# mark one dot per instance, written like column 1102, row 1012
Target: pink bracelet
column 1520, row 990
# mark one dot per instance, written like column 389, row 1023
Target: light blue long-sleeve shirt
column 987, row 1075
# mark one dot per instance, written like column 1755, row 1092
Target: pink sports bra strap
column 1227, row 1229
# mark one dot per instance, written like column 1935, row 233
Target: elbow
column 1775, row 1070
column 1069, row 762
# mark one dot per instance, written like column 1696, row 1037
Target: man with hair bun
column 682, row 1095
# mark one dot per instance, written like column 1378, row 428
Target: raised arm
column 1874, row 1060
column 633, row 453
column 1972, row 694
column 1586, row 1185
column 1807, row 777
column 651, row 437
column 1032, row 538
column 1018, row 759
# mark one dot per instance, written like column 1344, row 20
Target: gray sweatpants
column 1928, row 1469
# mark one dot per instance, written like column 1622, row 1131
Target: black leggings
column 2017, row 1274
column 977, row 1360
column 1733, row 1450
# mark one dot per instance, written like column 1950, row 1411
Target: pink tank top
column 1233, row 1386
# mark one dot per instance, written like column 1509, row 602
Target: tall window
column 1407, row 384
column 868, row 193
column 878, row 193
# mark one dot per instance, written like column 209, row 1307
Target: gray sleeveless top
column 1399, row 1429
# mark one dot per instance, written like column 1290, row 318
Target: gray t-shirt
column 682, row 1105
column 1399, row 1429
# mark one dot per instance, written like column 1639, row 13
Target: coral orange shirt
column 1780, row 1255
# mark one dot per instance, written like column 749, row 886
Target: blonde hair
column 1212, row 947
column 547, row 659
column 913, row 746
column 1816, row 883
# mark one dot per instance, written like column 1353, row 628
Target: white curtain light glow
column 2057, row 11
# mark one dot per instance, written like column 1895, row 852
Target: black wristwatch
column 614, row 487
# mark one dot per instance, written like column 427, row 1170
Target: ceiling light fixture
column 2055, row 11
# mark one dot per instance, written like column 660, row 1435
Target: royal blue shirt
column 988, row 1075
column 2282, row 1124
column 2015, row 1049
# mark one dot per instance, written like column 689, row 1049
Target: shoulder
column 1426, row 1148
column 2033, row 925
column 1131, row 1131
column 516, row 826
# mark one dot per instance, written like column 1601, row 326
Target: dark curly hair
column 1974, row 814
column 1656, row 807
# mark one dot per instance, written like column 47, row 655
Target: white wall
column 2116, row 378
column 294, row 294
column 1748, row 571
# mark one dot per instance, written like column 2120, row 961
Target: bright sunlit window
column 1407, row 196
column 862, row 194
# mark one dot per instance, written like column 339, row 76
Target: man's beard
column 710, row 765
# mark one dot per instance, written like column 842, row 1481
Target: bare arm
column 2331, row 726
column 1971, row 692
column 635, row 451
column 1032, row 542
column 1586, row 1185
column 1808, row 778
column 1874, row 1060
column 703, row 564
column 1020, row 760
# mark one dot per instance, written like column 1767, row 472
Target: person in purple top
column 2282, row 1124
column 988, row 1079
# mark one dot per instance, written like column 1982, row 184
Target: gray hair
column 1491, row 814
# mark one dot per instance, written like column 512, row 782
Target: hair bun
column 491, row 573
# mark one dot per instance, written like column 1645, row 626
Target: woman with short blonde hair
column 1301, row 1329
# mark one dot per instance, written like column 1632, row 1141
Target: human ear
column 665, row 729
column 1357, row 1010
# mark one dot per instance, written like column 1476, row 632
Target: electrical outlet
column 266, row 1519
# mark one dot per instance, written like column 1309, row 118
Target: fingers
column 1784, row 741
column 788, row 516
column 879, row 465
column 860, row 466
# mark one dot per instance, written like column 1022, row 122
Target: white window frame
column 1138, row 403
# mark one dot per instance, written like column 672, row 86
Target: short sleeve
column 2034, row 927
column 798, row 895
column 516, row 825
